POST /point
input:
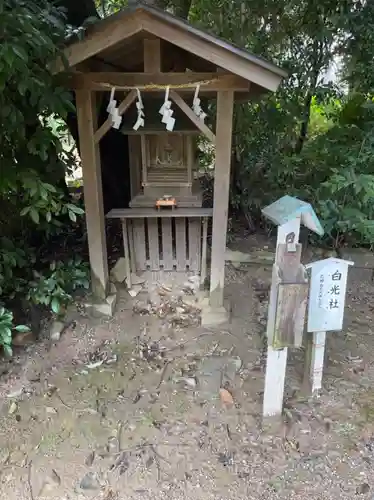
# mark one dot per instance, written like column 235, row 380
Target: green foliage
column 35, row 205
column 53, row 288
column 43, row 201
column 358, row 51
column 334, row 171
column 28, row 89
column 12, row 260
column 6, row 328
column 310, row 139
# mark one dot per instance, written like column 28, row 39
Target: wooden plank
column 150, row 131
column 135, row 164
column 152, row 55
column 136, row 213
column 139, row 244
column 195, row 120
column 132, row 247
column 105, row 34
column 93, row 192
column 126, row 249
column 194, row 244
column 225, row 104
column 151, row 184
column 167, row 244
column 204, row 252
column 290, row 314
column 190, row 159
column 156, row 82
column 124, row 105
column 143, row 146
column 153, row 243
column 180, row 243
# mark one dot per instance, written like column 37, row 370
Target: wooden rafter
column 157, row 81
column 191, row 115
column 125, row 104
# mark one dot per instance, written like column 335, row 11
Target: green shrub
column 6, row 328
column 53, row 288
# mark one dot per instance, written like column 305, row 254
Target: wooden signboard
column 327, row 295
column 325, row 313
column 290, row 315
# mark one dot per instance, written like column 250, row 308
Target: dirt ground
column 134, row 407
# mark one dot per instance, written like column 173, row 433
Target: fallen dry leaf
column 226, row 397
column 50, row 482
column 13, row 408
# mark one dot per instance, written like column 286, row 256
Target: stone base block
column 106, row 307
column 212, row 316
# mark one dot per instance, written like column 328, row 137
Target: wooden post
column 152, row 55
column 276, row 361
column 93, row 192
column 143, row 145
column 152, row 64
column 204, row 252
column 190, row 160
column 225, row 105
column 132, row 247
column 126, row 250
column 315, row 354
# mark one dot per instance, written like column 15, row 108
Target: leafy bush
column 12, row 260
column 334, row 171
column 53, row 289
column 36, row 208
column 6, row 328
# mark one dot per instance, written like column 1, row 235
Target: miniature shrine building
column 169, row 73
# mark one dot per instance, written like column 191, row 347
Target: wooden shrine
column 163, row 164
column 160, row 73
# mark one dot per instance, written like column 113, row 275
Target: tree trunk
column 318, row 58
column 304, row 124
column 182, row 9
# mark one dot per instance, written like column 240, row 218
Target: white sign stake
column 325, row 312
column 314, row 367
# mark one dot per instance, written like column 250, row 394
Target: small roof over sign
column 288, row 208
column 330, row 261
